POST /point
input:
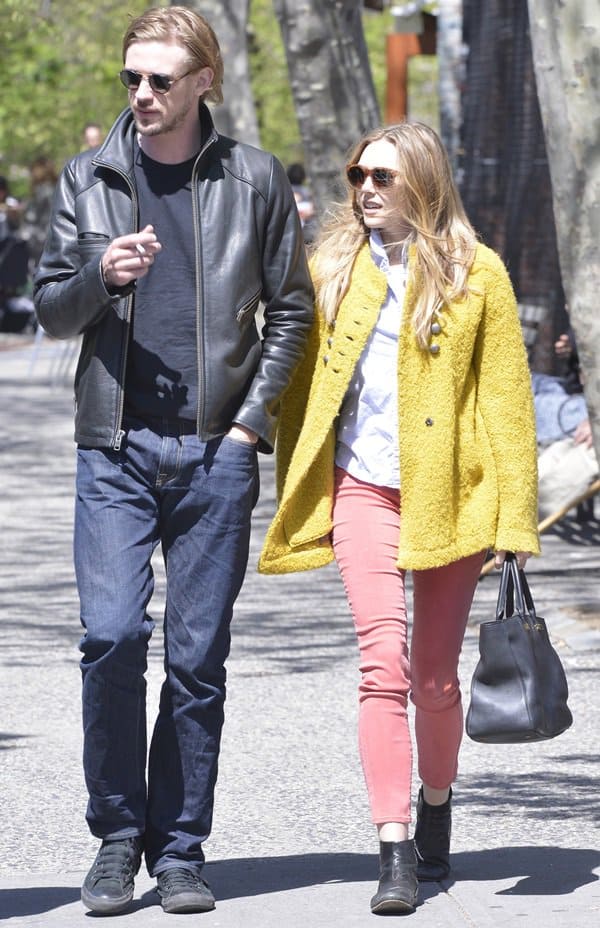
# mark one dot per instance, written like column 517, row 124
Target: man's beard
column 165, row 125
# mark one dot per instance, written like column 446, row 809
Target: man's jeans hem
column 120, row 835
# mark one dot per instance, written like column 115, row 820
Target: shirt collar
column 379, row 252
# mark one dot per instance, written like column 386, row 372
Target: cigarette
column 140, row 248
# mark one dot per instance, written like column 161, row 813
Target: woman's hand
column 521, row 557
column 583, row 434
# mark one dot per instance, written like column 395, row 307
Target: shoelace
column 114, row 860
column 179, row 879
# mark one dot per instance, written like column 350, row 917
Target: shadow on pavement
column 229, row 879
column 11, row 740
column 254, row 876
column 18, row 903
column 578, row 533
column 538, row 871
column 539, row 794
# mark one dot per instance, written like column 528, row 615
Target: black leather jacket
column 249, row 251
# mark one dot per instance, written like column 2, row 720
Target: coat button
column 436, row 328
column 325, row 358
column 434, row 349
column 330, row 341
column 428, row 422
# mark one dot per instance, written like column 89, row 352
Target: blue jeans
column 196, row 499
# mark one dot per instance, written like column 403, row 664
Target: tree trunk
column 565, row 39
column 331, row 85
column 505, row 178
column 236, row 116
column 451, row 62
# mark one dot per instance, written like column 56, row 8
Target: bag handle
column 523, row 597
column 504, row 606
column 514, row 594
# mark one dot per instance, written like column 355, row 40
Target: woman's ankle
column 393, row 831
column 435, row 797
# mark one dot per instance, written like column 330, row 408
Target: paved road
column 292, row 843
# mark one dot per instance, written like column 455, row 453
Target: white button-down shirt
column 367, row 437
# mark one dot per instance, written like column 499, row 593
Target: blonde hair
column 187, row 28
column 443, row 237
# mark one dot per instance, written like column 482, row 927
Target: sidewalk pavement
column 291, row 843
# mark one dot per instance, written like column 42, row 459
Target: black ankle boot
column 432, row 839
column 398, row 886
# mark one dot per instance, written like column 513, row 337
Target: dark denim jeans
column 196, row 499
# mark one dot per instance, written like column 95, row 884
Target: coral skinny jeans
column 366, row 528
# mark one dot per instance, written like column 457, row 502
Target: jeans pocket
column 248, row 447
column 107, row 455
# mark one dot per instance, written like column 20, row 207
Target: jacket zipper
column 198, row 284
column 244, row 309
column 116, row 445
column 119, row 433
column 198, row 288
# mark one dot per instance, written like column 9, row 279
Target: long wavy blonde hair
column 431, row 208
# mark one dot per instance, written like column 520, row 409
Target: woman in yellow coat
column 407, row 441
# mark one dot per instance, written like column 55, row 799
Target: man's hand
column 241, row 433
column 129, row 257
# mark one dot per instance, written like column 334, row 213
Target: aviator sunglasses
column 159, row 83
column 381, row 177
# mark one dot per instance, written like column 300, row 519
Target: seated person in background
column 566, row 462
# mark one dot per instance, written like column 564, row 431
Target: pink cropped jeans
column 366, row 529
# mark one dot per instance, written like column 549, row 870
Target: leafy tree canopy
column 61, row 59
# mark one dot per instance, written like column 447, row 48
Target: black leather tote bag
column 519, row 690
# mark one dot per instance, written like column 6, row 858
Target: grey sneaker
column 108, row 887
column 183, row 890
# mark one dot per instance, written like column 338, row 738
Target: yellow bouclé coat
column 468, row 460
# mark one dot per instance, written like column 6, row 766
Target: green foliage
column 276, row 117
column 277, row 121
column 60, row 63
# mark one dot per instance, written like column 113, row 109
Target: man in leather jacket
column 163, row 244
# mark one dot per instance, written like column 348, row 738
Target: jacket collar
column 117, row 150
column 368, row 283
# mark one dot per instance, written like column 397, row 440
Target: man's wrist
column 242, row 433
column 113, row 289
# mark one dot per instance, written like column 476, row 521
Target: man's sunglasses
column 159, row 83
column 381, row 177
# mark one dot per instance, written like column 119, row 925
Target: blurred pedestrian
column 92, row 136
column 304, row 201
column 16, row 308
column 38, row 208
column 10, row 209
column 407, row 441
column 161, row 257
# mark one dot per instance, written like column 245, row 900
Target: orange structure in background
column 401, row 46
